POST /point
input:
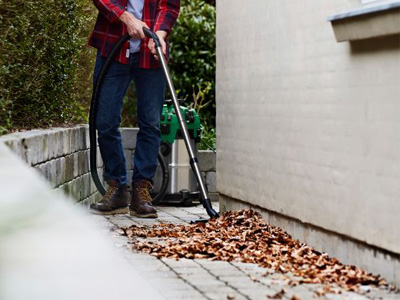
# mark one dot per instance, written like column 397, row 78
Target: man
column 136, row 61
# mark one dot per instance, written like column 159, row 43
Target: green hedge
column 43, row 62
column 193, row 57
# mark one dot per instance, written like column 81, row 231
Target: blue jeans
column 150, row 86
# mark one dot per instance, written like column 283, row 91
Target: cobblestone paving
column 201, row 279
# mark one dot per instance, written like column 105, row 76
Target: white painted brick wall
column 308, row 127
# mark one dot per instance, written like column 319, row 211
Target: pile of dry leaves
column 243, row 236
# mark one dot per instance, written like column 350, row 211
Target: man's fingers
column 152, row 46
column 141, row 33
column 164, row 47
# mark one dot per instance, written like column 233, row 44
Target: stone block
column 53, row 173
column 86, row 186
column 207, row 160
column 130, row 173
column 76, row 163
column 83, row 162
column 92, row 186
column 76, row 140
column 38, row 170
column 76, row 188
column 80, row 137
column 128, row 158
column 99, row 159
column 53, row 144
column 203, row 175
column 60, row 141
column 44, row 148
column 15, row 145
column 72, row 140
column 97, row 197
column 69, row 168
column 60, row 188
column 87, row 152
column 44, row 169
column 67, row 187
column 60, row 171
column 92, row 199
column 87, row 137
column 66, row 143
column 28, row 149
column 129, row 137
column 36, row 147
column 84, row 141
column 211, row 179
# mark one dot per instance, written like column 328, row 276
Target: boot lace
column 144, row 193
column 110, row 191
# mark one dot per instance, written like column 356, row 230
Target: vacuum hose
column 92, row 128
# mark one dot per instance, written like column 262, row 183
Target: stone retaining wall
column 61, row 155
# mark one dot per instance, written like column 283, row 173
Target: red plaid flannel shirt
column 157, row 14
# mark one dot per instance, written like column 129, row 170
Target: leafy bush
column 208, row 139
column 193, row 55
column 43, row 61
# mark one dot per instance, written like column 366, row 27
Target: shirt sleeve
column 111, row 9
column 166, row 15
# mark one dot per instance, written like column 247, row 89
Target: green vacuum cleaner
column 182, row 187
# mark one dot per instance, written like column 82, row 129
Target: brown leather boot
column 115, row 201
column 141, row 200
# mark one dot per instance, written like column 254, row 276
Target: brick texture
column 308, row 127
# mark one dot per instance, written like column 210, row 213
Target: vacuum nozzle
column 210, row 210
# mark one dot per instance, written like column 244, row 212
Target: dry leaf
column 278, row 295
column 244, row 236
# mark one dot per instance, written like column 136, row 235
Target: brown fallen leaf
column 278, row 295
column 245, row 237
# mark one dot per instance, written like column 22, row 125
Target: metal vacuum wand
column 193, row 159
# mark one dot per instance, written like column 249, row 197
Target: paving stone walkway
column 202, row 279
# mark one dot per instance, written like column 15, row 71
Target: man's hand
column 152, row 46
column 133, row 25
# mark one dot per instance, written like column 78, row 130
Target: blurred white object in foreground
column 50, row 250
